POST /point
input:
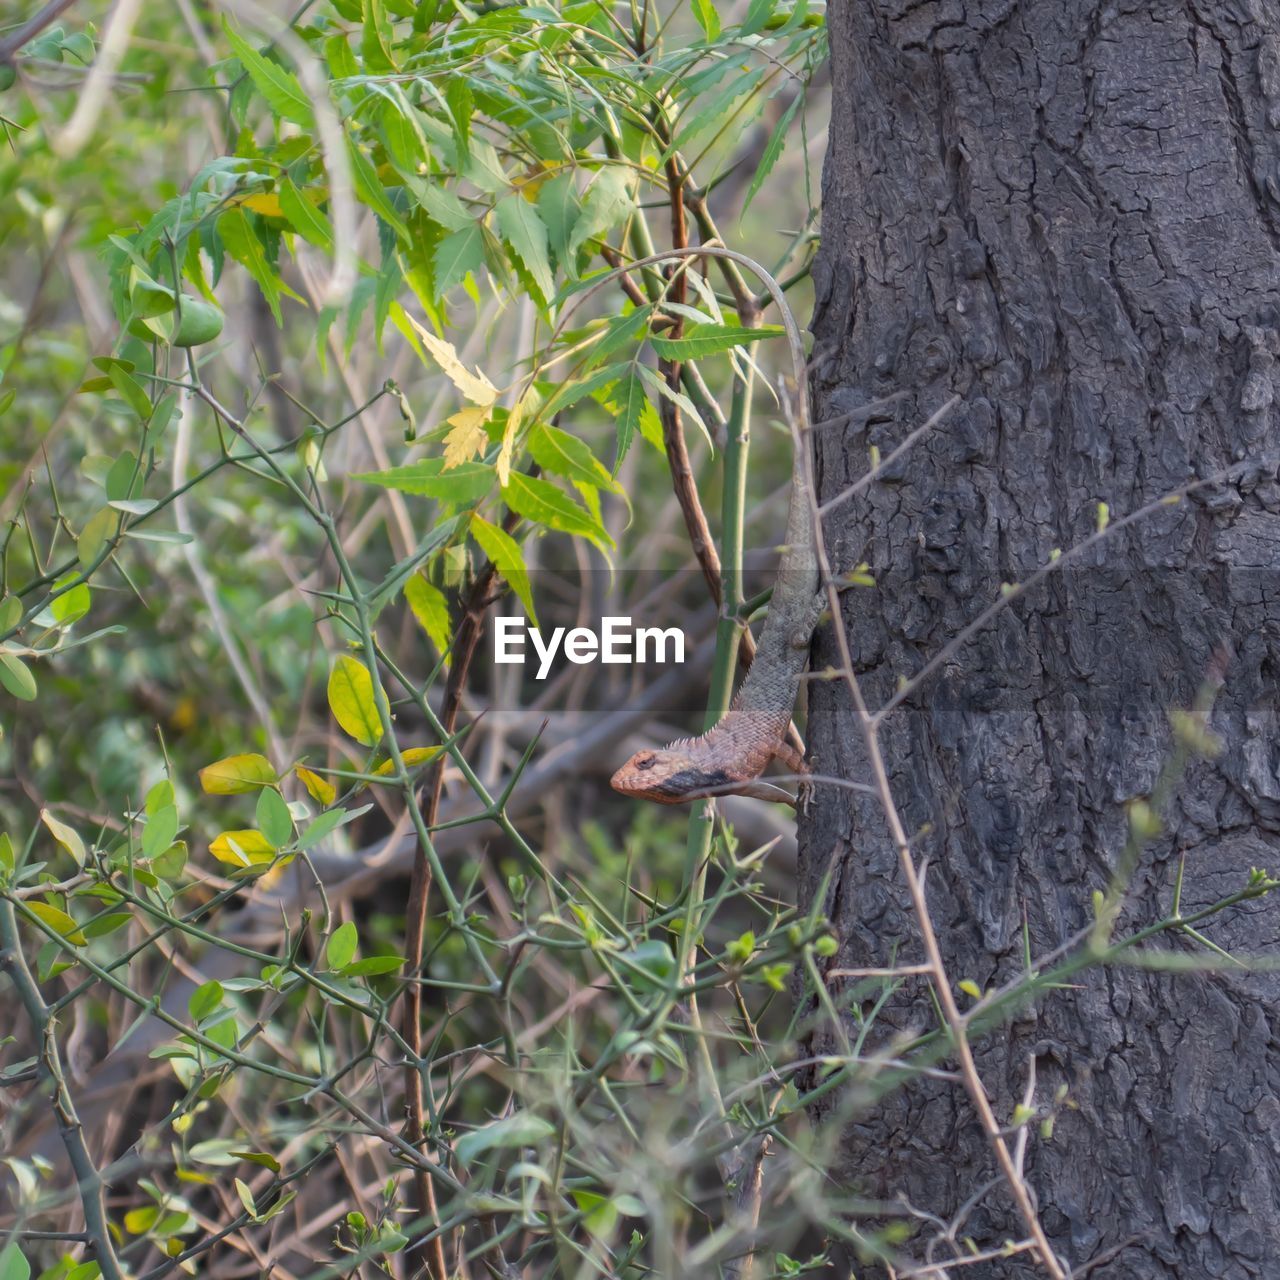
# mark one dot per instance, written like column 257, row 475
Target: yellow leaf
column 236, row 774
column 267, row 205
column 413, row 756
column 467, row 439
column 320, row 788
column 507, row 452
column 59, row 922
column 475, row 386
column 64, row 835
column 242, row 848
column 431, row 609
column 351, row 699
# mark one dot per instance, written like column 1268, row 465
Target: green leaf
column 630, row 401
column 569, row 393
column 160, row 832
column 654, row 961
column 353, row 701
column 460, row 486
column 7, row 860
column 340, row 950
column 98, row 530
column 273, row 817
column 16, row 676
column 445, row 208
column 773, row 149
column 525, row 232
column 130, row 390
column 61, row 923
column 73, row 602
column 456, row 256
column 13, row 1265
column 236, row 774
column 540, row 501
column 562, row 454
column 708, row 18
column 373, row 967
column 607, row 203
column 205, row 999
column 240, row 240
column 304, row 217
column 504, row 551
column 431, row 609
column 66, row 836
column 709, row 339
column 520, row 1130
column 277, row 86
column 369, row 189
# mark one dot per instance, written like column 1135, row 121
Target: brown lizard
column 730, row 757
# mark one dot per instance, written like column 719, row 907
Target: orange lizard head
column 670, row 776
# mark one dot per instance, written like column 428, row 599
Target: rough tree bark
column 1068, row 212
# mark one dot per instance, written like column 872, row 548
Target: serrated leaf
column 540, row 501
column 431, row 609
column 659, row 384
column 319, row 788
column 242, row 848
column 562, row 454
column 526, row 233
column 467, row 437
column 304, row 217
column 370, row 191
column 279, row 88
column 630, row 400
column 66, row 836
column 234, row 775
column 569, row 393
column 461, row 485
column 772, row 151
column 61, row 923
column 507, row 449
column 474, row 386
column 507, row 558
column 710, row 339
column 353, row 700
column 241, row 241
column 607, row 202
column 340, row 950
column 456, row 256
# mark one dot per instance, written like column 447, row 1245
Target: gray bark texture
column 1068, row 213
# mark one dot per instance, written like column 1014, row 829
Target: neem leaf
column 709, row 339
column 504, row 551
column 278, row 86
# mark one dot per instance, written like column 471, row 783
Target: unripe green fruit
column 8, row 75
column 201, row 322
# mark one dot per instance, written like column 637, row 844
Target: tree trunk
column 1069, row 214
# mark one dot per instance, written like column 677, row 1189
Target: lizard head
column 671, row 776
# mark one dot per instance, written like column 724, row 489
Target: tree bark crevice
column 1067, row 213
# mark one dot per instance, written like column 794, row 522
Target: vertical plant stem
column 88, row 1180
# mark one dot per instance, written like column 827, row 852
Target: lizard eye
column 646, row 762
